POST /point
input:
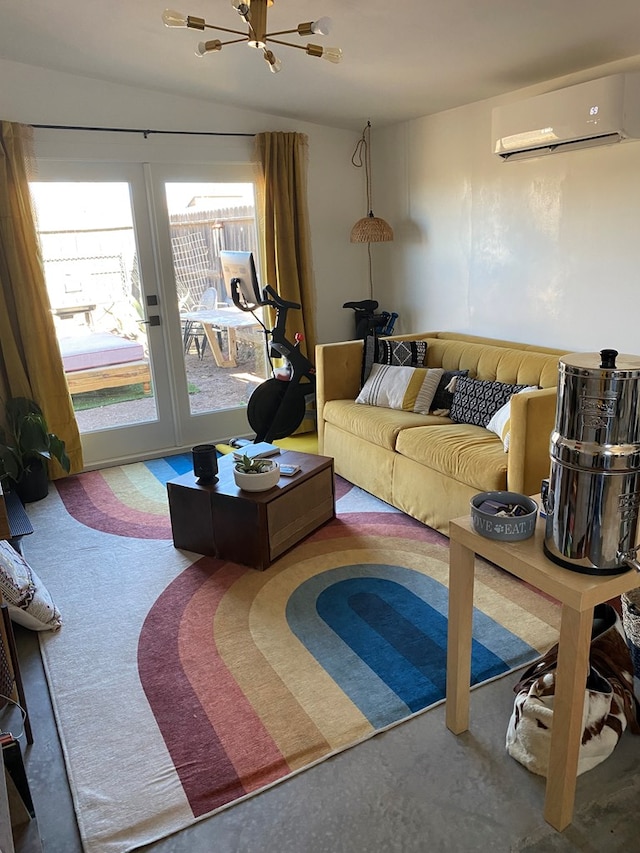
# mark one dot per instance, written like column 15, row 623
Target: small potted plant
column 256, row 475
column 26, row 445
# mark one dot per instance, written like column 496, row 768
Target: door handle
column 154, row 320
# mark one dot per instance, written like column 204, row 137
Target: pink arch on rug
column 89, row 499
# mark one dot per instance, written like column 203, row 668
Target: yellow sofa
column 426, row 465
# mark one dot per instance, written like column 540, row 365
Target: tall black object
column 205, row 463
column 367, row 322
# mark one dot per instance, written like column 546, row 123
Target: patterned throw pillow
column 500, row 423
column 443, row 397
column 397, row 353
column 27, row 598
column 475, row 401
column 402, row 353
column 16, row 583
column 410, row 389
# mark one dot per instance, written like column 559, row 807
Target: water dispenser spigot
column 631, row 559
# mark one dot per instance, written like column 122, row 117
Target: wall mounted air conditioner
column 599, row 112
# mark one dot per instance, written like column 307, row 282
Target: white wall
column 33, row 95
column 544, row 251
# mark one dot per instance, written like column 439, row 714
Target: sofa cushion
column 372, row 423
column 410, row 389
column 466, row 453
column 475, row 401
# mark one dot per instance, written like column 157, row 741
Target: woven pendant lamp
column 369, row 229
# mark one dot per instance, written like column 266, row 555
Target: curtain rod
column 145, row 133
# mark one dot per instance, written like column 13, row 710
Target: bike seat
column 366, row 305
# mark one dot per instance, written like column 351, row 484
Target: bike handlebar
column 278, row 300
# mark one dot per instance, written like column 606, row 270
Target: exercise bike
column 277, row 407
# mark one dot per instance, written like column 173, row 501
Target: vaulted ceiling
column 402, row 58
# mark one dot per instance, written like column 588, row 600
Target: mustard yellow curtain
column 284, row 233
column 30, row 361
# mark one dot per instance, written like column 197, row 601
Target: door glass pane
column 91, row 270
column 224, row 348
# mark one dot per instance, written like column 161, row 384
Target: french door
column 129, row 250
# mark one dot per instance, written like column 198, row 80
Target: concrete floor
column 413, row 788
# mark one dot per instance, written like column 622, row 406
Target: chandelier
column 254, row 14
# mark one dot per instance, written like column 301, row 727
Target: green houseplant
column 26, row 445
column 256, row 475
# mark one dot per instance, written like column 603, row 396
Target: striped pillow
column 410, row 389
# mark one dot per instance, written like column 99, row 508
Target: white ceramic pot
column 258, row 482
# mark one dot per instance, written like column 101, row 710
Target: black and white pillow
column 443, row 397
column 475, row 401
column 395, row 353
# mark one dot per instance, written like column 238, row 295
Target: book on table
column 261, row 450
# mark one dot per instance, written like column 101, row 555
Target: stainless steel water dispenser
column 594, row 484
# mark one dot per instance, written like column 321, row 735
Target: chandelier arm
column 281, row 33
column 234, row 41
column 226, row 30
column 287, row 43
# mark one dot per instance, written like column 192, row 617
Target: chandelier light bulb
column 332, row 54
column 321, row 27
column 171, row 18
column 211, row 46
column 272, row 61
column 242, row 9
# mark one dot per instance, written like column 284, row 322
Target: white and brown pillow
column 27, row 598
column 409, row 389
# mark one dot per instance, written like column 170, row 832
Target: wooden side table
column 578, row 594
column 252, row 528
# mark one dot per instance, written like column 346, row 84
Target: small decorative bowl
column 511, row 528
column 257, row 482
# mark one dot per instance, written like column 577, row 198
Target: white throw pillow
column 500, row 423
column 28, row 600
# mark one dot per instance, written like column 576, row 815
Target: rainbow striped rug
column 183, row 684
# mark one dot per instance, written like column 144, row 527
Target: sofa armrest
column 338, row 372
column 533, row 415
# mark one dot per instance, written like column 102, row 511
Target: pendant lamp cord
column 362, row 157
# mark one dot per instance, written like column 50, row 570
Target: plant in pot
column 26, row 445
column 256, row 475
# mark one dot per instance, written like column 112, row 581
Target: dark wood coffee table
column 252, row 528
